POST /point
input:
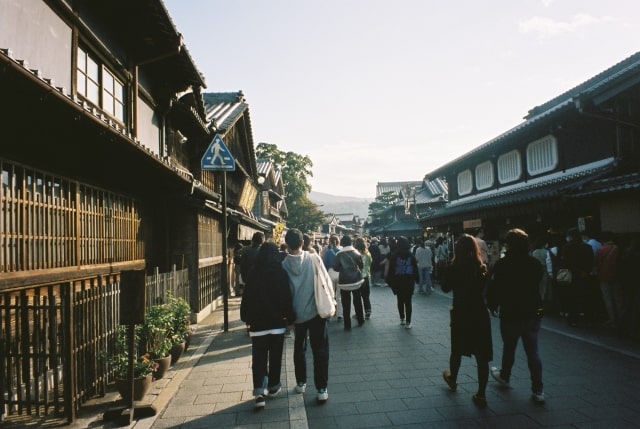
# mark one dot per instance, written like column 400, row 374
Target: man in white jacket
column 300, row 268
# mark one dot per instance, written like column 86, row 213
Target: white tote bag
column 323, row 289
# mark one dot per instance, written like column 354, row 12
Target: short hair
column 345, row 240
column 258, row 237
column 294, row 239
column 518, row 241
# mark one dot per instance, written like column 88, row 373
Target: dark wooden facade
column 104, row 126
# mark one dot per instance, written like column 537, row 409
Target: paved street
column 382, row 375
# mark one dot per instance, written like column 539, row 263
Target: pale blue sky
column 379, row 91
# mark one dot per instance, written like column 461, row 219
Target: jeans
column 318, row 330
column 528, row 330
column 266, row 365
column 346, row 306
column 424, row 284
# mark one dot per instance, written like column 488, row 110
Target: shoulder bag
column 323, row 289
column 564, row 276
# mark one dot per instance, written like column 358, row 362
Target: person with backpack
column 401, row 276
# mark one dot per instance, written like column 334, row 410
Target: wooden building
column 573, row 162
column 104, row 128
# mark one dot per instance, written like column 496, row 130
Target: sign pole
column 225, row 274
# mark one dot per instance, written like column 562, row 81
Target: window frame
column 484, row 175
column 515, row 164
column 87, row 79
column 542, row 155
column 462, row 177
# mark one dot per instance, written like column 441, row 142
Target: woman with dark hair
column 513, row 293
column 470, row 324
column 365, row 290
column 267, row 309
column 401, row 276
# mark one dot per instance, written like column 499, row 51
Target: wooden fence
column 54, row 340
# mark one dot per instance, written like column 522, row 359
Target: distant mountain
column 338, row 204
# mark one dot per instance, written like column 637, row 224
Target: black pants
column 346, row 295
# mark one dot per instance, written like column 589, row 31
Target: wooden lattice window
column 48, row 221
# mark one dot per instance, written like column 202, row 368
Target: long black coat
column 470, row 323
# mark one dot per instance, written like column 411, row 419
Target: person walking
column 606, row 263
column 367, row 261
column 577, row 256
column 267, row 309
column 250, row 253
column 376, row 259
column 513, row 294
column 401, row 276
column 309, row 325
column 470, row 323
column 328, row 258
column 441, row 257
column 348, row 263
column 424, row 258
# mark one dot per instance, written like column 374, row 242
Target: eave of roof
column 546, row 187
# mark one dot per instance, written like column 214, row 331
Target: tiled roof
column 223, row 109
column 620, row 183
column 383, row 187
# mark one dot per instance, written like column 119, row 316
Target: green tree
column 296, row 169
column 379, row 209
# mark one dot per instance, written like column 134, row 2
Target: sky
column 384, row 91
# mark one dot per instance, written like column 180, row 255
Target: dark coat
column 514, row 287
column 348, row 262
column 267, row 302
column 470, row 323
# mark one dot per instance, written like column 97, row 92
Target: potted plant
column 143, row 366
column 156, row 337
column 180, row 323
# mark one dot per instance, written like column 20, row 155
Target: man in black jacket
column 348, row 263
column 514, row 295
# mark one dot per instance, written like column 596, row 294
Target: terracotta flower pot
column 176, row 351
column 141, row 386
column 163, row 366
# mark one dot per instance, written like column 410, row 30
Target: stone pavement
column 383, row 375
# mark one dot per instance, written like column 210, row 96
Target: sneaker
column 323, row 395
column 260, row 402
column 495, row 373
column 402, row 322
column 274, row 391
column 301, row 387
column 538, row 397
column 368, row 315
column 480, row 401
column 447, row 378
column 408, row 325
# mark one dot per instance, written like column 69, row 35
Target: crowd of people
column 518, row 288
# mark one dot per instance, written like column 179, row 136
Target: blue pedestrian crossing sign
column 218, row 157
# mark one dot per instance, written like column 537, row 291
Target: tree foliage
column 296, row 169
column 379, row 209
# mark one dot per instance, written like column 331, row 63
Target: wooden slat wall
column 51, row 222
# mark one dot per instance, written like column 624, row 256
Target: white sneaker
column 538, row 397
column 323, row 395
column 408, row 326
column 260, row 402
column 495, row 373
column 301, row 387
column 402, row 322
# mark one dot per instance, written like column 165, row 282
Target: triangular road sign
column 218, row 157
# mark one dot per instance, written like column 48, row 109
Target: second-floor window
column 100, row 86
column 465, row 182
column 509, row 167
column 484, row 175
column 542, row 155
